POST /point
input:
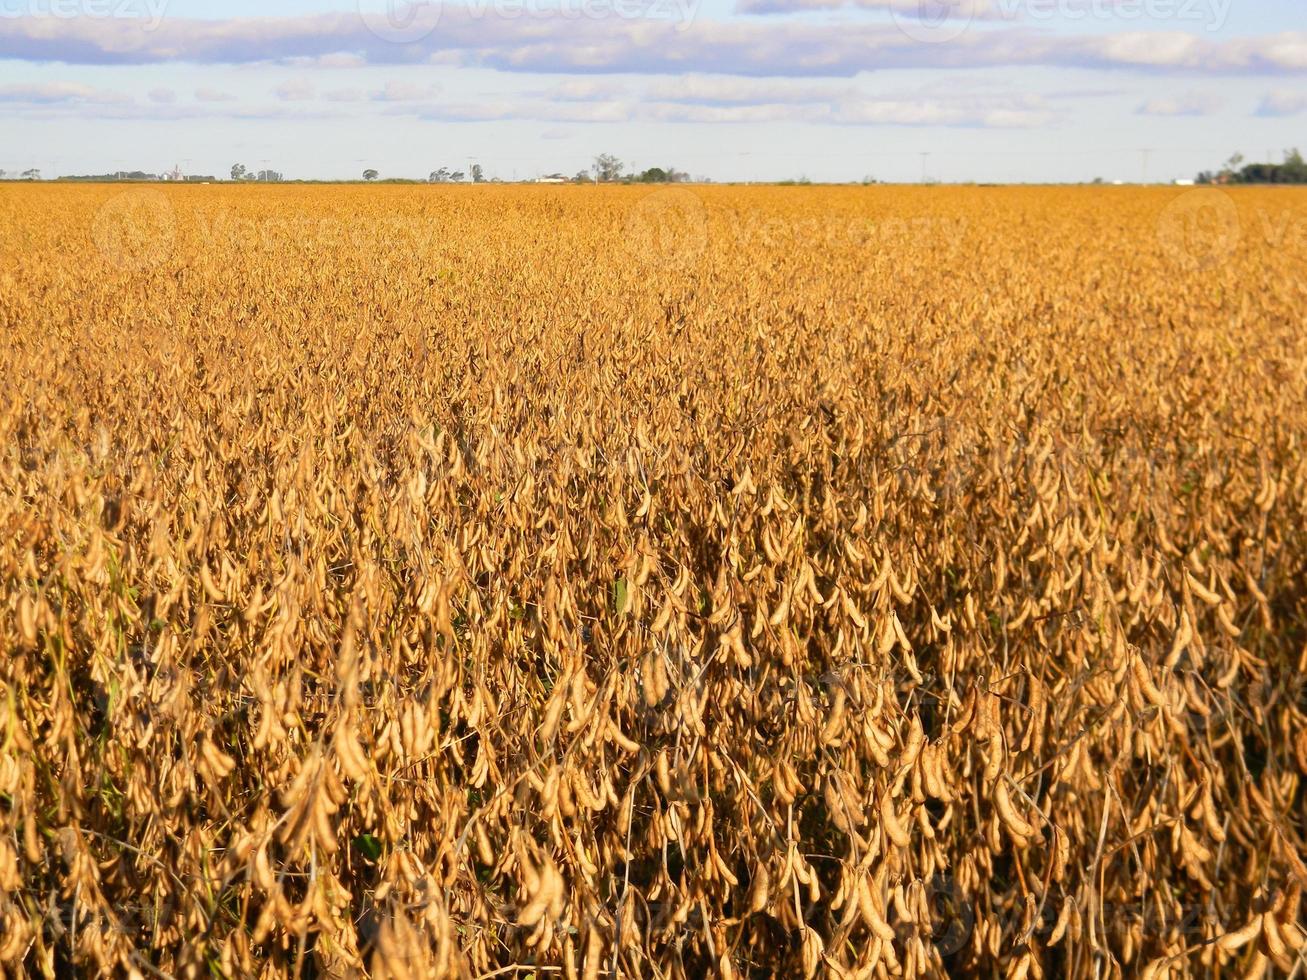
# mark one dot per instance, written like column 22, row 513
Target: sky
column 830, row 90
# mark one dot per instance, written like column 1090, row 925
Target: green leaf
column 369, row 846
column 619, row 597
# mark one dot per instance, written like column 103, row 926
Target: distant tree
column 2, row 175
column 238, row 171
column 33, row 174
column 271, row 176
column 657, row 175
column 607, row 167
column 1292, row 171
column 1257, row 173
column 439, row 176
column 1294, row 168
column 457, row 176
column 370, row 174
column 582, row 177
column 1230, row 171
column 478, row 175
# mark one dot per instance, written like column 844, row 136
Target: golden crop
column 585, row 582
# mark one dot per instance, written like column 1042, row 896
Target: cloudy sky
column 1003, row 90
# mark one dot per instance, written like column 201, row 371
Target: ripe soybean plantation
column 593, row 582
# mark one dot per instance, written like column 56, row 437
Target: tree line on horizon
column 1236, row 171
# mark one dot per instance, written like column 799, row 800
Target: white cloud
column 213, row 95
column 1288, row 52
column 686, row 113
column 1014, row 119
column 752, row 101
column 1187, row 104
column 933, row 10
column 404, row 92
column 1152, row 49
column 502, row 109
column 733, row 90
column 336, row 59
column 615, row 44
column 984, row 113
column 1282, row 103
column 295, row 90
column 584, row 90
column 393, row 91
column 841, row 106
column 60, row 93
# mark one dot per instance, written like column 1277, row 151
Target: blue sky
column 1001, row 90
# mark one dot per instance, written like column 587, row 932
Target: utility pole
column 925, row 166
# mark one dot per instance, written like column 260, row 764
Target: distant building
column 552, row 179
